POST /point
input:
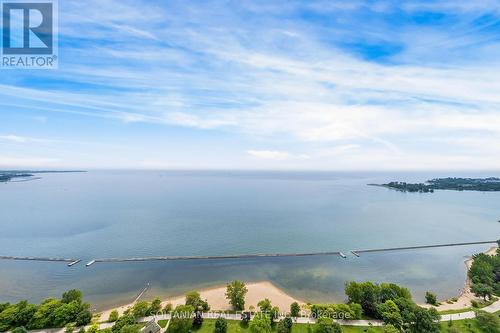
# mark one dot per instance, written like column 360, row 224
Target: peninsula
column 10, row 175
column 457, row 184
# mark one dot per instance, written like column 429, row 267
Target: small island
column 450, row 183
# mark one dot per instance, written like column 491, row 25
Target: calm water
column 128, row 214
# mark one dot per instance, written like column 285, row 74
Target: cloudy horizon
column 321, row 85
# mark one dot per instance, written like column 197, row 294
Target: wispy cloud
column 383, row 80
column 275, row 155
column 21, row 139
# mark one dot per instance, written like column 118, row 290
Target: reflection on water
column 130, row 214
column 307, row 278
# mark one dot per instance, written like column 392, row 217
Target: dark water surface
column 137, row 213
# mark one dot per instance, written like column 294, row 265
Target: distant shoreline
column 8, row 176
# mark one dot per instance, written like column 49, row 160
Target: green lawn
column 462, row 326
column 235, row 327
column 465, row 326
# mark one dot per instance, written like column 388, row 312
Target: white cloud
column 275, row 155
column 182, row 65
column 21, row 139
column 27, row 162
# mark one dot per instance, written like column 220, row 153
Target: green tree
column 431, row 298
column 140, row 309
column 327, row 325
column 155, row 307
column 220, row 325
column 168, row 308
column 69, row 328
column 197, row 320
column 390, row 314
column 482, row 290
column 295, row 309
column 423, row 321
column 357, row 310
column 193, row 298
column 488, row 322
column 181, row 320
column 44, row 315
column 113, row 316
column 95, row 328
column 366, row 293
column 235, row 293
column 260, row 324
column 275, row 312
column 72, row 295
column 20, row 329
column 84, row 317
column 123, row 321
column 284, row 325
column 390, row 329
column 265, row 306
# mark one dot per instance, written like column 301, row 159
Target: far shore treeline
column 457, row 184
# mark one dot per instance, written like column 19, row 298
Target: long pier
column 268, row 255
column 235, row 256
column 38, row 259
column 356, row 252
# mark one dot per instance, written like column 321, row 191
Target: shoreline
column 466, row 296
column 215, row 296
column 259, row 290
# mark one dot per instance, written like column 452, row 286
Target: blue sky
column 331, row 85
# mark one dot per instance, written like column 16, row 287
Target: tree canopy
column 50, row 313
column 235, row 293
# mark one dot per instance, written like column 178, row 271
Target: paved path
column 470, row 314
column 300, row 320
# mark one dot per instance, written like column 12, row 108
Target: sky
column 315, row 85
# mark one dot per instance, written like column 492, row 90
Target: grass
column 236, row 327
column 465, row 326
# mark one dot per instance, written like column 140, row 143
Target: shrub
column 326, row 325
column 113, row 316
column 220, row 325
column 260, row 324
column 181, row 319
column 430, row 298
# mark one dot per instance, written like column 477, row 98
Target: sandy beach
column 216, row 298
column 466, row 296
column 257, row 291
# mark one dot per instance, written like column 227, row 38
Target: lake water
column 102, row 214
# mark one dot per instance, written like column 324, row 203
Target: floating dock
column 74, row 262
